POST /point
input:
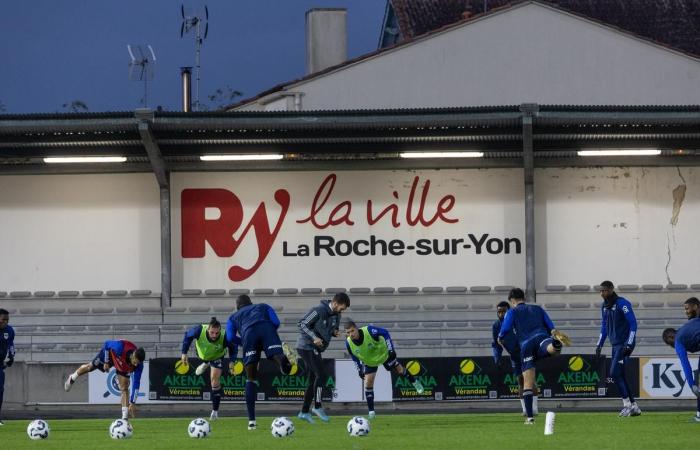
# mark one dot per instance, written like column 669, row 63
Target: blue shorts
column 389, row 365
column 534, row 349
column 516, row 363
column 261, row 337
column 217, row 363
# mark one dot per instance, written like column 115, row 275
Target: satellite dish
column 200, row 24
column 142, row 66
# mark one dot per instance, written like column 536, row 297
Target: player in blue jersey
column 685, row 340
column 7, row 350
column 620, row 325
column 692, row 308
column 257, row 327
column 211, row 347
column 126, row 359
column 510, row 344
column 537, row 338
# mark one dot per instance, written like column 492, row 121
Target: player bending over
column 619, row 323
column 257, row 327
column 537, row 339
column 510, row 344
column 126, row 359
column 369, row 347
column 686, row 339
column 211, row 347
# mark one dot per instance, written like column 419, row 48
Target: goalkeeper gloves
column 561, row 337
column 597, row 353
column 627, row 351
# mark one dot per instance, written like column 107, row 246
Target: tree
column 220, row 98
column 76, row 106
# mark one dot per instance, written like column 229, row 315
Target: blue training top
column 242, row 320
column 688, row 340
column 7, row 343
column 528, row 321
column 618, row 323
column 510, row 341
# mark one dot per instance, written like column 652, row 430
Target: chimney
column 326, row 38
column 186, row 73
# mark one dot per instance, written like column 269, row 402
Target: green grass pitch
column 573, row 431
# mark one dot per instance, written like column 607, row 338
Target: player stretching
column 317, row 328
column 257, row 326
column 7, row 350
column 126, row 359
column 211, row 346
column 537, row 339
column 620, row 324
column 686, row 339
column 369, row 347
column 510, row 343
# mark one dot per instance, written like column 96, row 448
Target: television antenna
column 200, row 25
column 142, row 67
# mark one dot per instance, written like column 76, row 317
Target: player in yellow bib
column 211, row 344
column 371, row 347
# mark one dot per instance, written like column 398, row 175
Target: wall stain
column 678, row 197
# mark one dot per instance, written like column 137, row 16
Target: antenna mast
column 199, row 24
column 146, row 62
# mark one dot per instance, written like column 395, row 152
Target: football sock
column 216, row 398
column 74, row 376
column 250, row 394
column 527, row 396
column 369, row 395
column 317, row 399
column 626, row 402
column 125, row 412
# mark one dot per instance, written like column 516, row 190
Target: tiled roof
column 674, row 23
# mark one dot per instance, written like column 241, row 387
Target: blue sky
column 58, row 51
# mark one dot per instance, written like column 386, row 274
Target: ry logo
column 197, row 230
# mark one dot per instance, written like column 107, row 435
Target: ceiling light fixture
column 84, row 159
column 442, row 155
column 266, row 157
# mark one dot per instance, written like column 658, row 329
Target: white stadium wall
column 74, row 232
column 592, row 224
column 629, row 224
column 466, row 228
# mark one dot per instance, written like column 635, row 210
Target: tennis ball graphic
column 576, row 363
column 467, row 366
column 294, row 370
column 238, row 368
column 413, row 367
column 181, row 368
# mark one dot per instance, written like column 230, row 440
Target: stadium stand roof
column 369, row 139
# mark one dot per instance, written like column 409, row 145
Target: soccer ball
column 282, row 427
column 358, row 426
column 199, row 428
column 38, row 429
column 120, row 429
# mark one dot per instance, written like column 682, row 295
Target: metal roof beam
column 145, row 116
